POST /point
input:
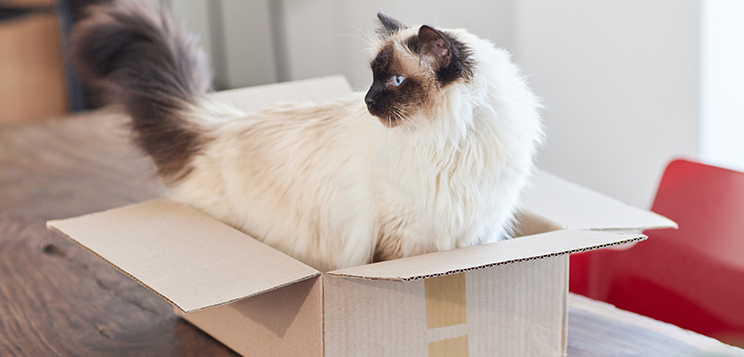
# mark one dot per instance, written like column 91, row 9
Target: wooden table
column 57, row 299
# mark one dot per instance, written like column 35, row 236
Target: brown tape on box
column 446, row 305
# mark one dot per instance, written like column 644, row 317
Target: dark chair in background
column 692, row 277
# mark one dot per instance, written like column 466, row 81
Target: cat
column 433, row 157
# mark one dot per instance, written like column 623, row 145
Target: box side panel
column 518, row 309
column 283, row 322
column 529, row 224
column 374, row 318
column 511, row 310
column 564, row 326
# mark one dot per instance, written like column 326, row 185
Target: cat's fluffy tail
column 152, row 70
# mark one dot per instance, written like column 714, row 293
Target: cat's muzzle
column 381, row 111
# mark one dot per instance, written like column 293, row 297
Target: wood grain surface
column 57, row 299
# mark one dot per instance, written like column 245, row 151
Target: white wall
column 194, row 14
column 621, row 87
column 330, row 36
column 237, row 35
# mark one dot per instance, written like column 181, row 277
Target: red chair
column 692, row 277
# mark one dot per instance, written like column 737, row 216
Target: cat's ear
column 389, row 25
column 435, row 45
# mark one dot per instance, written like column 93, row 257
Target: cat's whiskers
column 356, row 118
column 366, row 41
column 369, row 39
column 389, row 136
column 360, row 115
column 419, row 126
column 405, row 120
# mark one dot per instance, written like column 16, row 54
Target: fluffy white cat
column 433, row 157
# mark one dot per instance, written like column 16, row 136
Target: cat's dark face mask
column 383, row 96
column 403, row 85
column 378, row 103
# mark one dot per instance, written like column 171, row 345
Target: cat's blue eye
column 398, row 79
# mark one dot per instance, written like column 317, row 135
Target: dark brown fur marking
column 389, row 25
column 145, row 65
column 461, row 63
column 391, row 103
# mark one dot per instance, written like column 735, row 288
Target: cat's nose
column 369, row 100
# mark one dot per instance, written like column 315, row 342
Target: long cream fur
column 326, row 183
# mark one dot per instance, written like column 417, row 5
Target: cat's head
column 412, row 68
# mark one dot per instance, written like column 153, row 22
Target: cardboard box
column 503, row 299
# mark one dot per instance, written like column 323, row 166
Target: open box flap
column 188, row 258
column 260, row 97
column 536, row 246
column 571, row 206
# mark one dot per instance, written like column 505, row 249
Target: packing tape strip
column 446, row 305
column 453, row 347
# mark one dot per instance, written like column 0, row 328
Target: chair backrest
column 692, row 277
column 708, row 204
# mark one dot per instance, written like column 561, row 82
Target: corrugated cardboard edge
column 632, row 239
